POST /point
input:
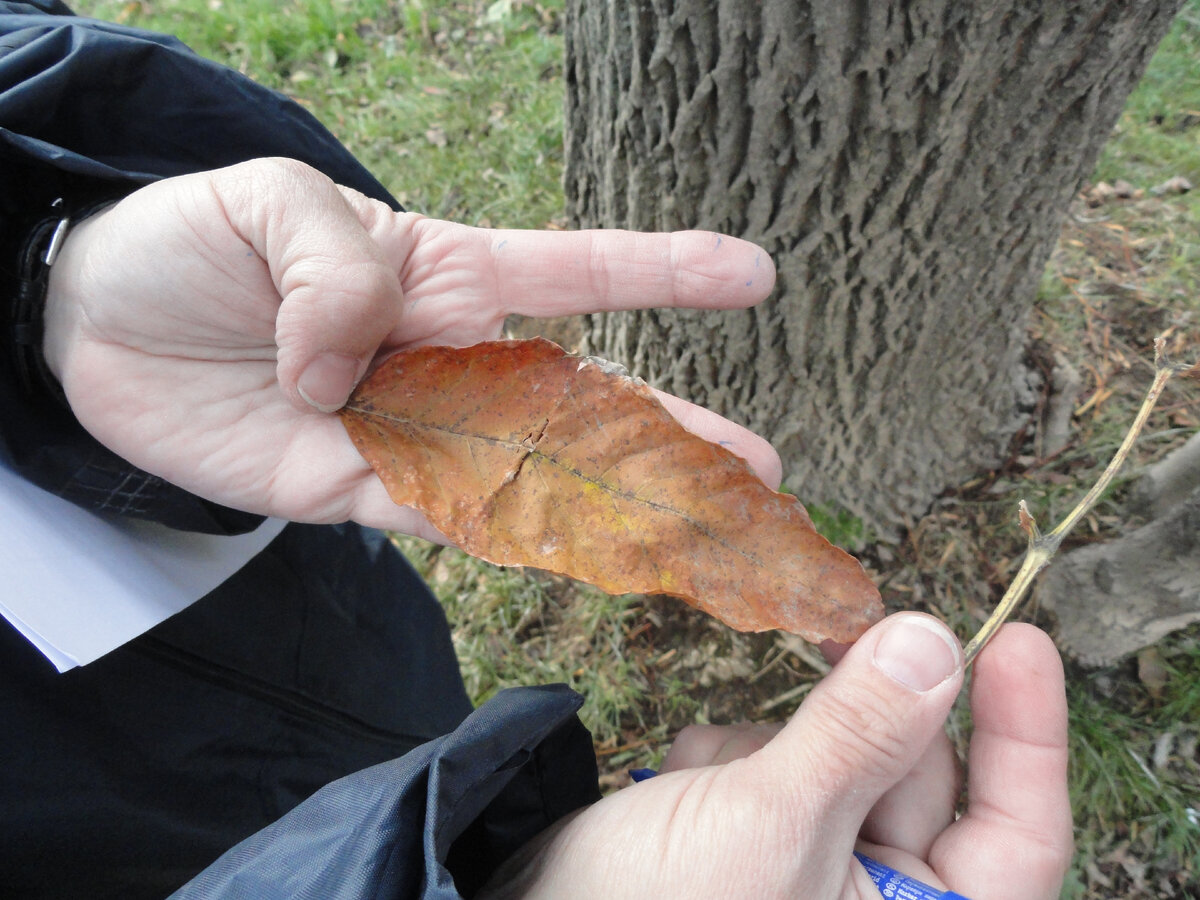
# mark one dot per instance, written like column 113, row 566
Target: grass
column 515, row 629
column 1156, row 137
column 457, row 108
column 1133, row 767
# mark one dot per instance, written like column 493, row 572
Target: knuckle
column 861, row 735
column 291, row 173
column 695, row 745
column 745, row 742
column 1046, row 863
column 368, row 279
column 692, row 734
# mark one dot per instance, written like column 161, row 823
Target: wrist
column 32, row 327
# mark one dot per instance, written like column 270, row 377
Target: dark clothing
column 354, row 839
column 322, row 656
column 325, row 655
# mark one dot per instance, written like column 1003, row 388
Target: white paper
column 78, row 586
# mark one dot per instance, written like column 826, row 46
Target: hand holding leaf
column 188, row 322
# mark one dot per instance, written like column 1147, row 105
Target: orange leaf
column 523, row 455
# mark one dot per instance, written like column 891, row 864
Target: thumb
column 869, row 721
column 340, row 296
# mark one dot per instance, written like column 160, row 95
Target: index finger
column 743, row 442
column 560, row 273
column 1016, row 837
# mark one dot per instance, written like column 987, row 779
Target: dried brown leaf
column 523, row 455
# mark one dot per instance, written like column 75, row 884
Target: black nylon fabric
column 496, row 768
column 324, row 655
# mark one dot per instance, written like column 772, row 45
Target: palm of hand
column 179, row 377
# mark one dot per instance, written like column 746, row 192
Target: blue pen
column 892, row 884
column 895, row 886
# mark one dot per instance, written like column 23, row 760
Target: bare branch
column 1042, row 547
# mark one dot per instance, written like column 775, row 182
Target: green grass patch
column 839, row 526
column 455, row 107
column 1158, row 136
column 512, row 627
column 1135, row 773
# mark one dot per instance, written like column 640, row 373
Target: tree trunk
column 907, row 164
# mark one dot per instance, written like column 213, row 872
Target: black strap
column 27, row 323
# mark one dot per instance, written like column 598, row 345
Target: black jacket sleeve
column 477, row 795
column 89, row 112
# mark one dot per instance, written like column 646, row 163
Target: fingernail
column 918, row 652
column 328, row 381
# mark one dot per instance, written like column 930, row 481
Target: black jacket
column 324, row 656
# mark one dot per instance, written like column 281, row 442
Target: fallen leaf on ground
column 1176, row 185
column 524, row 455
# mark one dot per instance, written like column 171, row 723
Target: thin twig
column 1042, row 547
column 787, row 696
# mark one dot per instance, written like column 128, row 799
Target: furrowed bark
column 907, row 165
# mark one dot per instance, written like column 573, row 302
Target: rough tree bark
column 907, row 164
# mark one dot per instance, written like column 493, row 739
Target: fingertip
column 327, row 381
column 762, row 457
column 917, row 651
column 755, row 450
column 751, row 267
column 721, row 271
column 1019, row 655
column 1019, row 687
column 762, row 274
column 833, row 651
column 1021, row 644
column 873, row 717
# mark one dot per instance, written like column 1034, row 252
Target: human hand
column 204, row 327
column 778, row 812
